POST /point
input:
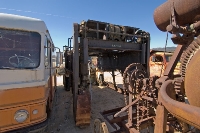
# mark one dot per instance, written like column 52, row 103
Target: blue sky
column 136, row 13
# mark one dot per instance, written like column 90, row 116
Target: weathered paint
column 9, row 123
column 28, row 89
column 25, row 98
column 158, row 68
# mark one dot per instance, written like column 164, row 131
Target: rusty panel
column 161, row 119
column 83, row 110
column 75, row 66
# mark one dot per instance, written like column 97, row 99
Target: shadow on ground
column 61, row 118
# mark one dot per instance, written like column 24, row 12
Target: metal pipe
column 187, row 12
column 70, row 43
column 185, row 112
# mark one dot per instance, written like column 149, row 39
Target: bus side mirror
column 59, row 59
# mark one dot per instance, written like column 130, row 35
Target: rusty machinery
column 115, row 46
column 170, row 103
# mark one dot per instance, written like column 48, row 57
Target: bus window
column 168, row 57
column 19, row 49
column 157, row 58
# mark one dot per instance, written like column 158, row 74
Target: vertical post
column 75, row 66
column 97, row 31
column 114, row 82
column 148, row 54
column 143, row 52
column 161, row 119
column 84, row 65
column 174, row 60
column 130, row 109
column 85, row 51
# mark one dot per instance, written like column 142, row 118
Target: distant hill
column 168, row 49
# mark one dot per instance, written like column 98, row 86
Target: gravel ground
column 62, row 121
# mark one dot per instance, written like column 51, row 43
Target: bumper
column 37, row 128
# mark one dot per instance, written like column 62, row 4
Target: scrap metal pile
column 170, row 103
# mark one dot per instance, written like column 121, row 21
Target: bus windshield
column 19, row 49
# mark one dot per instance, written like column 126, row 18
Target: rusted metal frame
column 131, row 104
column 187, row 113
column 115, row 45
column 143, row 53
column 75, row 66
column 105, row 116
column 133, row 130
column 117, row 120
column 113, row 77
column 145, row 119
column 111, row 112
column 161, row 112
column 129, row 129
column 130, row 110
column 107, row 49
column 161, row 119
column 97, row 29
column 173, row 61
column 105, row 23
column 125, row 34
column 84, row 62
column 111, row 85
column 173, row 15
column 83, row 112
column 148, row 55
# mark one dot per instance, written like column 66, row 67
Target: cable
column 164, row 54
column 47, row 14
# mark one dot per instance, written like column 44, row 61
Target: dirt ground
column 62, row 120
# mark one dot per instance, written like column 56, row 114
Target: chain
column 138, row 115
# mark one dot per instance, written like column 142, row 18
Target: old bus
column 27, row 73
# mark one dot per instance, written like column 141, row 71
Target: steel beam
column 114, row 45
column 174, row 60
column 75, row 66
